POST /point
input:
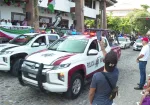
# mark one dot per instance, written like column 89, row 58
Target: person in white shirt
column 142, row 60
column 3, row 23
column 18, row 23
column 9, row 23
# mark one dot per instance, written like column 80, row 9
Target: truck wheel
column 76, row 86
column 125, row 47
column 14, row 68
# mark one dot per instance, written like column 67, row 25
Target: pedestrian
column 3, row 23
column 100, row 89
column 24, row 23
column 9, row 23
column 142, row 60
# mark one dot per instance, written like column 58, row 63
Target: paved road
column 11, row 93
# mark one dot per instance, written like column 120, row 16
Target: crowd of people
column 104, row 82
column 13, row 22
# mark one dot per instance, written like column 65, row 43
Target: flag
column 51, row 4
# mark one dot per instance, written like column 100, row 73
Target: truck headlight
column 5, row 59
column 61, row 76
column 5, row 52
column 61, row 66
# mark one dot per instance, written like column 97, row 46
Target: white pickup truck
column 65, row 66
column 20, row 47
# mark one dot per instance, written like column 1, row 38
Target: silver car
column 138, row 44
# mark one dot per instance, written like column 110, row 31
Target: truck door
column 93, row 62
column 42, row 44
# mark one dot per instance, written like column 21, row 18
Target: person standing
column 24, row 23
column 9, row 23
column 142, row 60
column 100, row 90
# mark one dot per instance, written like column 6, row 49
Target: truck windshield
column 139, row 41
column 121, row 39
column 22, row 39
column 69, row 45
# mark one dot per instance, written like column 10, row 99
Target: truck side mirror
column 92, row 52
column 35, row 45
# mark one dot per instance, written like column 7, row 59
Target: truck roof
column 31, row 34
column 81, row 37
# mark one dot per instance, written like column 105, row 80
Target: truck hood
column 5, row 47
column 140, row 44
column 53, row 57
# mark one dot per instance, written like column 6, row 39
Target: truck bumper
column 46, row 86
column 4, row 64
column 38, row 79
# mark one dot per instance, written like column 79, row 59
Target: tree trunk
column 79, row 15
column 32, row 8
column 36, row 15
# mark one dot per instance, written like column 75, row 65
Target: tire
column 14, row 68
column 71, row 93
column 125, row 47
column 129, row 46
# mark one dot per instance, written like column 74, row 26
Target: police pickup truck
column 65, row 66
column 20, row 47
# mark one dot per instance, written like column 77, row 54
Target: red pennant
column 50, row 1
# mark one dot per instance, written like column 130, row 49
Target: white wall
column 65, row 5
column 6, row 11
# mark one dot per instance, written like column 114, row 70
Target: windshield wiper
column 62, row 50
column 51, row 49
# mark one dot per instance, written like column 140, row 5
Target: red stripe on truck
column 36, row 52
column 61, row 59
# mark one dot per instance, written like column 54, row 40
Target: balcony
column 89, row 12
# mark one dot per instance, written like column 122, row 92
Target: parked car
column 67, row 64
column 138, row 44
column 124, row 42
column 21, row 46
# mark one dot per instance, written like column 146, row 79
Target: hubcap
column 76, row 86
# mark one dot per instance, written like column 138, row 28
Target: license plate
column 32, row 75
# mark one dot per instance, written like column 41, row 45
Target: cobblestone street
column 12, row 93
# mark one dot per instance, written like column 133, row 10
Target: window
column 94, row 4
column 52, row 38
column 69, row 45
column 45, row 20
column 17, row 17
column 41, row 40
column 64, row 23
column 88, row 3
column 22, row 39
column 105, row 43
column 94, row 45
column 72, row 0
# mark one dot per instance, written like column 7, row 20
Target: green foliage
column 90, row 22
column 138, row 20
column 119, row 24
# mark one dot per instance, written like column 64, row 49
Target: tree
column 119, row 24
column 138, row 19
column 89, row 22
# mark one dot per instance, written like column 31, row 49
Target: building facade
column 17, row 11
column 119, row 12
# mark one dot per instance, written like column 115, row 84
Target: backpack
column 114, row 91
column 146, row 101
